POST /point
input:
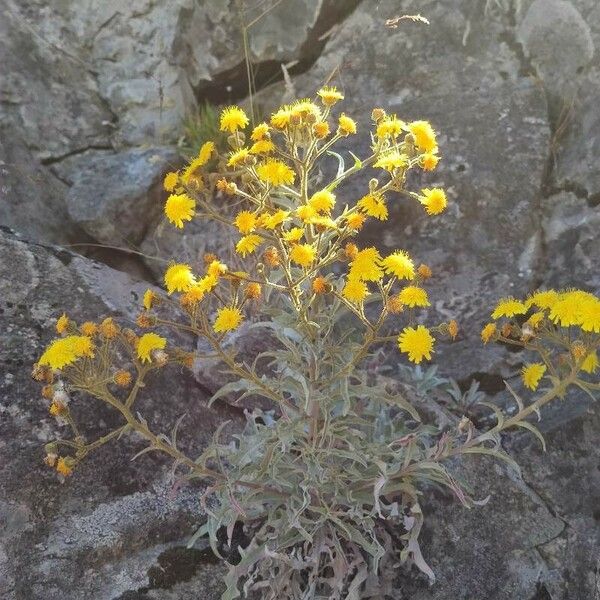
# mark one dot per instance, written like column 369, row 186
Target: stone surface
column 116, row 197
column 103, row 532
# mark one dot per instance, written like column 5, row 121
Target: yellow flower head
column 589, row 314
column 228, row 319
column 216, row 269
column 566, row 310
column 355, row 290
column 488, row 332
column 302, row 254
column 248, row 244
column 391, row 160
column 62, row 323
column 356, row 221
column 238, row 157
column 275, row 219
column 329, row 95
column 259, row 132
column 416, row 342
column 67, row 350
column 109, row 329
column 192, row 174
column 170, row 181
column 245, row 221
column 303, row 109
column 346, row 125
column 180, row 208
column 306, row 212
column 374, row 205
column 424, row 135
column 206, row 152
column 399, row 264
column 531, row 375
column 320, row 285
column 63, row 467
column 424, row 271
column 542, row 299
column 535, row 319
column 391, row 126
column 366, row 266
column 413, row 295
column 89, row 328
column 429, row 161
column 590, row 364
column 281, row 118
column 149, row 298
column 275, row 172
column 179, row 278
column 509, row 307
column 122, row 378
column 262, row 147
column 433, row 200
column 321, row 129
column 293, row 235
column 322, row 201
column 232, row 119
column 147, row 344
column 253, row 290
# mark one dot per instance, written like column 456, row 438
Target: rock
column 116, row 197
column 106, row 528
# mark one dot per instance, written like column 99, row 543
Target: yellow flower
column 228, row 319
column 433, row 200
column 329, row 95
column 180, row 208
column 531, row 375
column 542, row 299
column 346, row 125
column 509, row 307
column 276, row 219
column 424, row 271
column 488, row 332
column 281, row 119
column 391, row 160
column 89, row 328
column 248, row 244
column 245, row 221
column 238, row 157
column 366, row 266
column 535, row 319
column 63, row 467
column 351, row 251
column 275, row 172
column 170, row 181
column 355, row 290
column 147, row 344
column 216, row 268
column 192, row 175
column 566, row 310
column 323, row 222
column 232, row 119
column 429, row 161
column 413, row 295
column 424, row 135
column 293, row 235
column 590, row 364
column 416, row 342
column 399, row 264
column 304, row 108
column 374, row 205
column 179, row 278
column 206, row 152
column 149, row 297
column 356, row 221
column 259, row 132
column 306, row 213
column 302, row 254
column 62, row 323
column 109, row 329
column 390, row 126
column 322, row 201
column 122, row 378
column 67, row 350
column 262, row 147
column 321, row 129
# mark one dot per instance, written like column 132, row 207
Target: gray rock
column 110, row 526
column 116, row 197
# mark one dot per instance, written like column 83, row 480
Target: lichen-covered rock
column 103, row 531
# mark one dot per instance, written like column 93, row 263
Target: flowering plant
column 327, row 476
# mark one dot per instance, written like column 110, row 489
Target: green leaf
column 534, row 430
